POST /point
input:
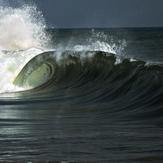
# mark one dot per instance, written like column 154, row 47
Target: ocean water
column 79, row 95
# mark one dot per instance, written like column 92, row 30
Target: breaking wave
column 23, row 36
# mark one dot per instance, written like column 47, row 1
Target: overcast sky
column 101, row 13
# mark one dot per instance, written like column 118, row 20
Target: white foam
column 22, row 33
column 21, row 28
column 11, row 64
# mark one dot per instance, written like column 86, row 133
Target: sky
column 100, row 13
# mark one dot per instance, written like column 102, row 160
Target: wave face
column 78, row 95
column 92, row 78
column 93, row 73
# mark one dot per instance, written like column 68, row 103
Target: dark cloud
column 101, row 13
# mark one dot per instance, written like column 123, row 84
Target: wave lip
column 37, row 71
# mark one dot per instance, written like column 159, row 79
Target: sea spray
column 22, row 28
column 23, row 36
column 93, row 41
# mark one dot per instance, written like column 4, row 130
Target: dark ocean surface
column 101, row 101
